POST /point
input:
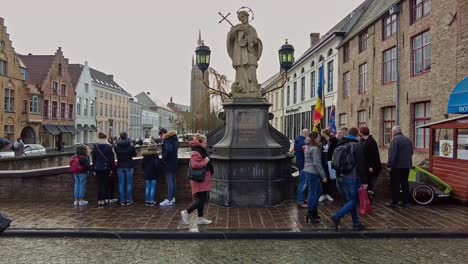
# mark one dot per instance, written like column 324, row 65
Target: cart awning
column 458, row 100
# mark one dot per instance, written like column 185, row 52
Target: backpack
column 343, row 160
column 75, row 166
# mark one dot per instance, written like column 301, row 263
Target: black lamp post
column 203, row 57
column 286, row 56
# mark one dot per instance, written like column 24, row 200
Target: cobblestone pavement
column 16, row 250
column 284, row 217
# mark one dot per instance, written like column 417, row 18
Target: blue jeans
column 125, row 184
column 349, row 190
column 315, row 190
column 80, row 185
column 171, row 185
column 150, row 191
column 301, row 187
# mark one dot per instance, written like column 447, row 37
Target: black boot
column 315, row 214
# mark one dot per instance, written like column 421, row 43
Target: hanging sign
column 446, row 148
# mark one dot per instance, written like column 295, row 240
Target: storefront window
column 443, row 145
column 462, row 149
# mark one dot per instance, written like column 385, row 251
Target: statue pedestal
column 251, row 169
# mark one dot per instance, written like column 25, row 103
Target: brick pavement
column 44, row 215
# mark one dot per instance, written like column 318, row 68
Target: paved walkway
column 47, row 215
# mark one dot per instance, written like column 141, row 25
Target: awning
column 93, row 128
column 86, row 127
column 458, row 100
column 443, row 121
column 52, row 129
column 71, row 129
column 63, row 129
column 80, row 127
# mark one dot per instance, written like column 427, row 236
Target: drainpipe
column 395, row 9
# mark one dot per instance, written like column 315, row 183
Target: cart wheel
column 423, row 194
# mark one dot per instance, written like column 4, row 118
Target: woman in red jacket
column 199, row 160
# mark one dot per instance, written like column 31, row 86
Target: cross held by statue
column 224, row 18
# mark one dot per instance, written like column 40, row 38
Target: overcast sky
column 148, row 45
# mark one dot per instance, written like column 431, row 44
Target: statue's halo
column 248, row 10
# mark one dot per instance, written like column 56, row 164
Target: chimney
column 111, row 76
column 314, row 39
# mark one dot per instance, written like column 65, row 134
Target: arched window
column 295, row 75
column 312, row 64
column 302, row 70
column 321, row 58
column 330, row 52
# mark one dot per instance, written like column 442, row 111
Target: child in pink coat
column 198, row 160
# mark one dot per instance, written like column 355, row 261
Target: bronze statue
column 245, row 49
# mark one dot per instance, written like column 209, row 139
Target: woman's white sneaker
column 329, row 198
column 204, row 221
column 185, row 217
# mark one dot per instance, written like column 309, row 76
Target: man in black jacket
column 399, row 161
column 125, row 152
column 350, row 182
column 372, row 157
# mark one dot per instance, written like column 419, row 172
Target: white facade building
column 275, row 96
column 150, row 123
column 85, row 118
column 136, row 123
column 167, row 117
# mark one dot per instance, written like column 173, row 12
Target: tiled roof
column 38, row 66
column 74, row 70
column 106, row 80
column 345, row 25
column 376, row 10
column 148, row 101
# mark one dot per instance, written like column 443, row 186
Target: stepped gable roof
column 342, row 27
column 106, row 80
column 375, row 11
column 38, row 66
column 74, row 70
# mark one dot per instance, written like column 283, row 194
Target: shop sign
column 446, row 148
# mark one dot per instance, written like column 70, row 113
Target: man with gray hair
column 399, row 161
column 299, row 143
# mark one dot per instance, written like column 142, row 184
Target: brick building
column 431, row 57
column 49, row 74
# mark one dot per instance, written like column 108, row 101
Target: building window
column 295, row 92
column 9, row 99
column 25, row 107
column 70, row 111
column 86, row 88
column 312, row 84
column 3, row 67
column 330, row 77
column 422, row 115
column 54, row 109
column 9, row 132
column 362, row 118
column 421, row 53
column 106, row 112
column 78, row 106
column 100, row 109
column 60, row 69
column 45, row 112
column 342, row 120
column 362, row 78
column 282, row 98
column 91, row 108
column 85, row 107
column 63, row 108
column 302, row 89
column 24, row 73
column 63, row 89
column 390, row 65
column 346, row 52
column 101, row 95
column 388, row 123
column 111, row 112
column 55, row 87
column 346, row 84
column 389, row 26
column 420, row 9
column 276, row 101
column 110, row 97
column 35, row 104
column 362, row 42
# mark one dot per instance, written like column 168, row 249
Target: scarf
column 204, row 154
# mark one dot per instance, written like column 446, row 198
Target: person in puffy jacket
column 82, row 152
column 198, row 160
column 299, row 144
column 103, row 162
column 125, row 152
column 170, row 150
column 152, row 167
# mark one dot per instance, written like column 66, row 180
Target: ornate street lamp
column 286, row 56
column 203, row 57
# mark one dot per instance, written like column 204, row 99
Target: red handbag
column 364, row 202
